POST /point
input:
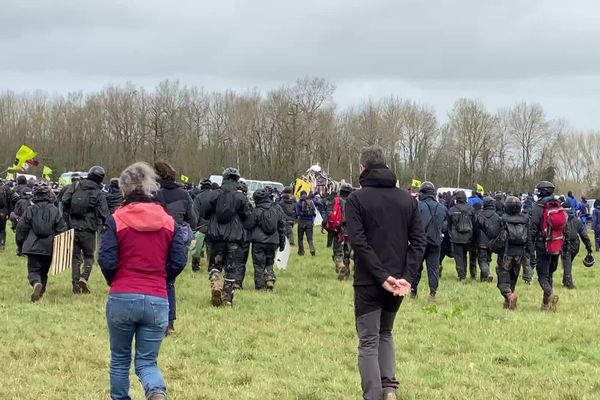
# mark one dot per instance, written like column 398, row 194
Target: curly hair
column 165, row 170
column 138, row 178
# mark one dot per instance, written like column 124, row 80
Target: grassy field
column 299, row 342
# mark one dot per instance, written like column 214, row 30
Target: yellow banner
column 47, row 172
column 480, row 188
column 416, row 183
column 24, row 154
column 301, row 186
column 184, row 179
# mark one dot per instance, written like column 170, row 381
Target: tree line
column 277, row 135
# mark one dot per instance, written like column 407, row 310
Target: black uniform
column 85, row 210
column 463, row 231
column 5, row 200
column 487, row 219
column 200, row 202
column 575, row 230
column 515, row 228
column 287, row 205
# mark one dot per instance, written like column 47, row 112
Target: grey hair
column 138, row 178
column 372, row 157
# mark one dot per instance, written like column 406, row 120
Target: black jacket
column 5, row 200
column 453, row 218
column 575, row 230
column 384, row 229
column 200, row 204
column 114, row 200
column 232, row 231
column 178, row 203
column 97, row 208
column 514, row 250
column 42, row 212
column 488, row 213
column 260, row 236
column 287, row 206
column 535, row 226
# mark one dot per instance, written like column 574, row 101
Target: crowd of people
column 142, row 224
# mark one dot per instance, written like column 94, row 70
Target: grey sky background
column 434, row 51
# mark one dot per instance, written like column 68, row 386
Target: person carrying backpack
column 462, row 229
column 575, row 230
column 5, row 196
column 21, row 200
column 434, row 218
column 114, row 197
column 596, row 224
column 35, row 234
column 584, row 211
column 288, row 205
column 85, row 210
column 200, row 202
column 227, row 210
column 336, row 225
column 306, row 212
column 546, row 230
column 513, row 242
column 488, row 224
column 268, row 235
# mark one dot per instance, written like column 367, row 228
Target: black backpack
column 81, row 201
column 491, row 226
column 268, row 220
column 308, row 208
column 464, row 224
column 517, row 233
column 42, row 220
column 431, row 229
column 225, row 209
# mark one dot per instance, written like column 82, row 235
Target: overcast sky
column 501, row 52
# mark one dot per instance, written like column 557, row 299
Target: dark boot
column 228, row 293
column 270, row 285
column 37, row 292
column 216, row 288
column 512, row 301
column 84, row 286
column 195, row 264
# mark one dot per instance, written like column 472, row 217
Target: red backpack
column 554, row 225
column 334, row 222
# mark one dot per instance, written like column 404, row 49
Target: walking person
column 388, row 240
column 488, row 226
column 35, row 233
column 287, row 202
column 142, row 248
column 306, row 212
column 575, row 230
column 596, row 224
column 462, row 229
column 434, row 218
column 180, row 206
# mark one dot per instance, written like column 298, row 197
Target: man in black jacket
column 288, row 205
column 5, row 208
column 462, row 229
column 488, row 225
column 575, row 230
column 200, row 202
column 227, row 210
column 85, row 210
column 386, row 234
column 114, row 197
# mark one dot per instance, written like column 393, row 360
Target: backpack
column 334, row 222
column 42, row 221
column 497, row 245
column 491, row 226
column 81, row 202
column 308, row 208
column 464, row 224
column 225, row 209
column 585, row 211
column 517, row 233
column 554, row 224
column 268, row 220
column 431, row 230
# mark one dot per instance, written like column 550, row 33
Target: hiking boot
column 216, row 292
column 76, row 289
column 339, row 264
column 389, row 395
column 505, row 304
column 527, row 282
column 431, row 299
column 553, row 302
column 83, row 285
column 545, row 307
column 301, row 253
column 512, row 301
column 37, row 292
column 490, row 279
column 170, row 328
column 569, row 285
column 158, row 395
column 270, row 285
column 312, row 253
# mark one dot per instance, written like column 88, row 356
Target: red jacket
column 141, row 247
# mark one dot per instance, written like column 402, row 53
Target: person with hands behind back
column 386, row 234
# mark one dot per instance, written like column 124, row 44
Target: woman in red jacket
column 141, row 249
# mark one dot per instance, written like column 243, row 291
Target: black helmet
column 544, row 189
column 114, row 183
column 231, row 173
column 243, row 186
column 41, row 187
column 287, row 190
column 96, row 174
column 205, row 184
column 489, row 201
column 588, row 261
column 21, row 180
column 345, row 188
column 427, row 187
column 513, row 204
column 460, row 196
column 260, row 194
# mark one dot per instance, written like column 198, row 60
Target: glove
column 281, row 246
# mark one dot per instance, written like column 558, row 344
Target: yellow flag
column 301, row 186
column 47, row 172
column 184, row 179
column 24, row 154
column 480, row 188
column 416, row 183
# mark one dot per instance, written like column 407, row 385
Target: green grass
column 299, row 342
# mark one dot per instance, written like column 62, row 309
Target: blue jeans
column 146, row 318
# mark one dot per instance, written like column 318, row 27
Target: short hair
column 372, row 157
column 165, row 170
column 138, row 178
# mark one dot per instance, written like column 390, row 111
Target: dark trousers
column 2, row 229
column 289, row 232
column 263, row 258
column 305, row 228
column 225, row 257
column 84, row 246
column 172, row 300
column 546, row 267
column 527, row 268
column 508, row 274
column 37, row 269
column 473, row 254
column 431, row 259
column 567, row 262
column 460, row 258
column 597, row 240
column 484, row 257
column 341, row 249
column 330, row 236
column 240, row 274
column 375, row 310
